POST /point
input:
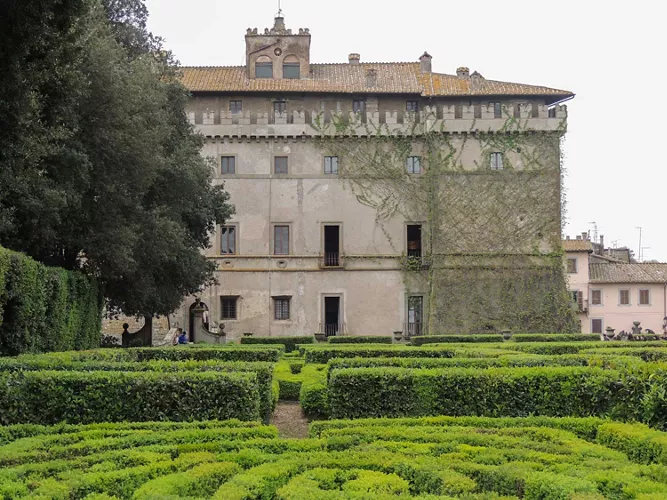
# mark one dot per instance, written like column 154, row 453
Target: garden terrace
column 437, row 458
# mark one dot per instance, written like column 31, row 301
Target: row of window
column 359, row 106
column 332, row 241
column 413, row 165
column 624, row 297
column 291, row 67
column 229, row 310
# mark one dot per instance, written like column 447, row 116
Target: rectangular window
column 291, row 70
column 280, row 107
column 644, row 298
column 228, row 240
column 359, row 105
column 228, row 165
column 331, row 165
column 624, row 297
column 235, row 107
column 572, row 266
column 281, row 308
column 496, row 161
column 264, row 70
column 280, row 240
column 415, row 316
column 280, row 165
column 497, row 109
column 596, row 297
column 228, row 308
column 596, row 326
column 414, row 240
column 414, row 164
column 412, row 106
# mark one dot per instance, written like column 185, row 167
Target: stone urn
column 321, row 337
column 247, row 334
column 507, row 334
column 398, row 336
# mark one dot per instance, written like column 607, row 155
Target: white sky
column 611, row 55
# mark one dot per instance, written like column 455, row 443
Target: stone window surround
column 290, row 238
column 236, row 163
column 639, row 297
column 274, row 309
column 273, row 163
column 592, row 302
column 620, row 293
column 601, row 320
column 237, row 307
column 572, row 269
column 237, row 238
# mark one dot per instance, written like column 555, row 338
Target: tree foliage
column 99, row 168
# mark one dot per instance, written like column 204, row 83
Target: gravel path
column 290, row 420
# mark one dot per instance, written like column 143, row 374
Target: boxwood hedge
column 438, row 458
column 446, row 339
column 290, row 343
column 518, row 391
column 322, row 354
column 359, row 339
column 45, row 308
column 49, row 397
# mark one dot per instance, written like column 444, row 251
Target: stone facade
column 305, row 253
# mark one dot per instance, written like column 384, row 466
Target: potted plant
column 506, row 333
column 247, row 334
column 321, row 337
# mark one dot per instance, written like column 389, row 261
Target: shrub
column 322, row 354
column 290, row 343
column 203, row 353
column 549, row 391
column 555, row 337
column 360, row 340
column 313, row 394
column 48, row 397
column 290, row 382
column 470, row 458
column 44, row 308
column 445, row 339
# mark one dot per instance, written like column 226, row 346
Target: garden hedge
column 322, row 354
column 454, row 458
column 46, row 308
column 290, row 343
column 555, row 337
column 496, row 392
column 368, row 339
column 446, row 339
column 290, row 383
column 49, row 397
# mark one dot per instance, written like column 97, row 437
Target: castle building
column 377, row 197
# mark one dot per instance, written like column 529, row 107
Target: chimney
column 463, row 72
column 476, row 79
column 279, row 23
column 354, row 59
column 425, row 61
column 567, row 238
column 371, row 78
column 602, row 244
column 584, row 236
column 578, row 237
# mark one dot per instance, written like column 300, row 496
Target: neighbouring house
column 448, row 224
column 610, row 293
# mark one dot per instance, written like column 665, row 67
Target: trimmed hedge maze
column 139, row 385
column 435, row 458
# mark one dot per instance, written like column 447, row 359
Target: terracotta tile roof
column 577, row 246
column 392, row 78
column 628, row 273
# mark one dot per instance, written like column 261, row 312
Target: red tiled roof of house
column 628, row 273
column 577, row 246
column 392, row 78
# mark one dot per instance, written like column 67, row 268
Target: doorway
column 191, row 321
column 332, row 322
column 331, row 246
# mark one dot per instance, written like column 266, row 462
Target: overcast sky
column 611, row 54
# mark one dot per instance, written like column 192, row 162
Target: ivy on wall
column 492, row 257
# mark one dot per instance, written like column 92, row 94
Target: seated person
column 183, row 337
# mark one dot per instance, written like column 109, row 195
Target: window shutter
column 580, row 300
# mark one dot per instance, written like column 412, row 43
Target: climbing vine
column 490, row 237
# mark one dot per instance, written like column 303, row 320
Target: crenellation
column 468, row 112
column 208, row 117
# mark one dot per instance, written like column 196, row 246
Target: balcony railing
column 413, row 330
column 331, row 259
column 333, row 329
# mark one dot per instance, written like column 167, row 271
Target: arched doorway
column 191, row 319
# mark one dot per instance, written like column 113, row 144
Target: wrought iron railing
column 333, row 329
column 332, row 259
column 413, row 330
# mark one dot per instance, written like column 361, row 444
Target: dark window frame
column 497, row 159
column 599, row 297
column 260, row 69
column 288, row 70
column 236, row 106
column 413, row 165
column 227, row 165
column 279, row 107
column 229, row 310
column 227, row 236
column 593, row 322
column 281, row 239
column 359, row 105
column 647, row 292
column 621, row 293
column 282, row 308
column 412, row 106
column 281, row 169
column 497, row 109
column 572, row 265
column 331, row 164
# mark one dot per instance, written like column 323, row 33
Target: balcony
column 331, row 260
column 333, row 329
column 445, row 118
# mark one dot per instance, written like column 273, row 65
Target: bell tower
column 277, row 53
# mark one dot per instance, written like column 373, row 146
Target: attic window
column 291, row 67
column 263, row 67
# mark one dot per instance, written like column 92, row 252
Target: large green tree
column 99, row 168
